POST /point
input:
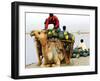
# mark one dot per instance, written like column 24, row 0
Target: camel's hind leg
column 57, row 60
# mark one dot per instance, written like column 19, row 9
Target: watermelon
column 73, row 37
column 54, row 33
column 66, row 37
column 49, row 33
column 65, row 33
column 61, row 35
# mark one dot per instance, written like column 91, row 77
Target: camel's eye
column 38, row 32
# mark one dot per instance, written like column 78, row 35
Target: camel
column 49, row 50
column 53, row 52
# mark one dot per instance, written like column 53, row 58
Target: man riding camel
column 52, row 20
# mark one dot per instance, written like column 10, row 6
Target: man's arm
column 57, row 22
column 46, row 23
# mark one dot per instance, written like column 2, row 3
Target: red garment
column 54, row 20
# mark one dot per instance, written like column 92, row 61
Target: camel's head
column 38, row 34
column 34, row 32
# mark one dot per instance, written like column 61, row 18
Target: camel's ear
column 45, row 31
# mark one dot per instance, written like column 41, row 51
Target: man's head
column 51, row 14
column 81, row 40
column 64, row 28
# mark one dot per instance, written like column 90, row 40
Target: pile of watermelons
column 78, row 53
column 62, row 35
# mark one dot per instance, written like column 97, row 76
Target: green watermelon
column 49, row 33
column 61, row 35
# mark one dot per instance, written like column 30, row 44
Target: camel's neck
column 44, row 43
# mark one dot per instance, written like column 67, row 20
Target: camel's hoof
column 39, row 64
column 53, row 65
column 42, row 65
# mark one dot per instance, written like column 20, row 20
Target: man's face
column 50, row 17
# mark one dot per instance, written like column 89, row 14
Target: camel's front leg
column 44, row 61
column 38, row 55
column 67, row 58
column 57, row 60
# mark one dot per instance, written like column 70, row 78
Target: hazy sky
column 74, row 23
